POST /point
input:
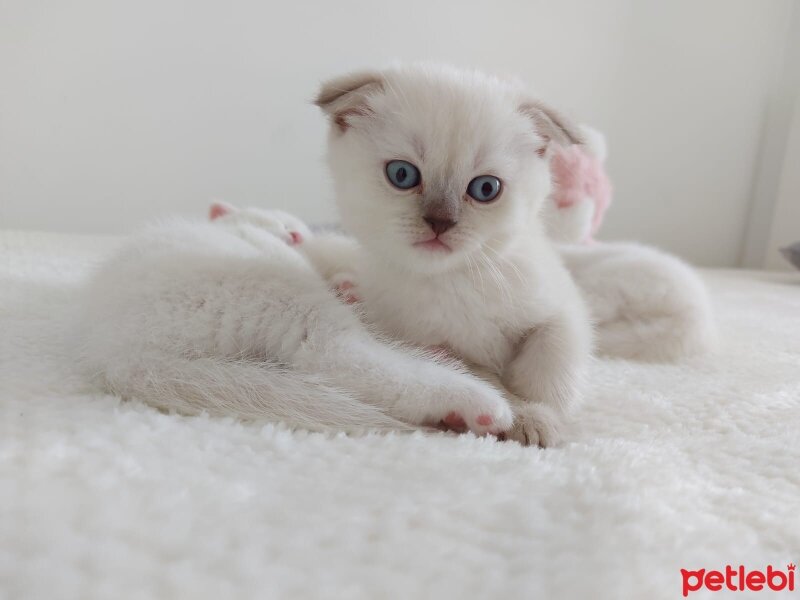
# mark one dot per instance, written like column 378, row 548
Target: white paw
column 344, row 286
column 477, row 407
column 535, row 425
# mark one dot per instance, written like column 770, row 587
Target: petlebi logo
column 739, row 579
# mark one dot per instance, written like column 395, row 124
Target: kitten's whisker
column 498, row 278
column 508, row 262
column 493, row 274
column 478, row 270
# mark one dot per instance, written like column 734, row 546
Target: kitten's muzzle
column 438, row 224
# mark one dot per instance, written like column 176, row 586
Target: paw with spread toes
column 535, row 425
column 344, row 287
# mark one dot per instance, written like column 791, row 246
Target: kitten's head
column 433, row 165
column 277, row 222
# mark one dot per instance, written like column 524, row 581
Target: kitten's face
column 276, row 222
column 437, row 168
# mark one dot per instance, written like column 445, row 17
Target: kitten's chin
column 426, row 258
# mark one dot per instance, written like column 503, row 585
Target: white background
column 113, row 113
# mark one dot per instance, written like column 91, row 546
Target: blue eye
column 484, row 188
column 402, row 174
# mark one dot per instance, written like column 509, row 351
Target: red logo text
column 739, row 580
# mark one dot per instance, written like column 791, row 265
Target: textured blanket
column 691, row 466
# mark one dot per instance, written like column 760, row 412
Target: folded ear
column 550, row 125
column 347, row 96
column 220, row 209
column 594, row 142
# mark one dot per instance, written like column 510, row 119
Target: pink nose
column 297, row 238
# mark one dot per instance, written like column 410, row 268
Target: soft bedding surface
column 671, row 466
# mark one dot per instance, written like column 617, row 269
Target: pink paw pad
column 455, row 421
column 347, row 297
column 484, row 420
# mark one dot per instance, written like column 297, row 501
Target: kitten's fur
column 228, row 318
column 645, row 304
column 497, row 295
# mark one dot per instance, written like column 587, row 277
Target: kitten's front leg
column 405, row 384
column 336, row 257
column 547, row 374
column 331, row 254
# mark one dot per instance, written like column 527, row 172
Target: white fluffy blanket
column 682, row 466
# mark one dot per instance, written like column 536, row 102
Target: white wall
column 774, row 220
column 112, row 113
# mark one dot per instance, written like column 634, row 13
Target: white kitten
column 333, row 256
column 645, row 303
column 440, row 175
column 251, row 224
column 229, row 318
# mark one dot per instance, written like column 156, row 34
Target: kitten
column 646, row 304
column 333, row 256
column 229, row 318
column 252, row 224
column 440, row 175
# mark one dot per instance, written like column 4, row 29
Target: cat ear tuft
column 553, row 127
column 219, row 209
column 346, row 96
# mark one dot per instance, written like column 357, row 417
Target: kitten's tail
column 247, row 390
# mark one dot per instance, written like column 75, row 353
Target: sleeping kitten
column 440, row 175
column 646, row 304
column 251, row 225
column 334, row 256
column 229, row 318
